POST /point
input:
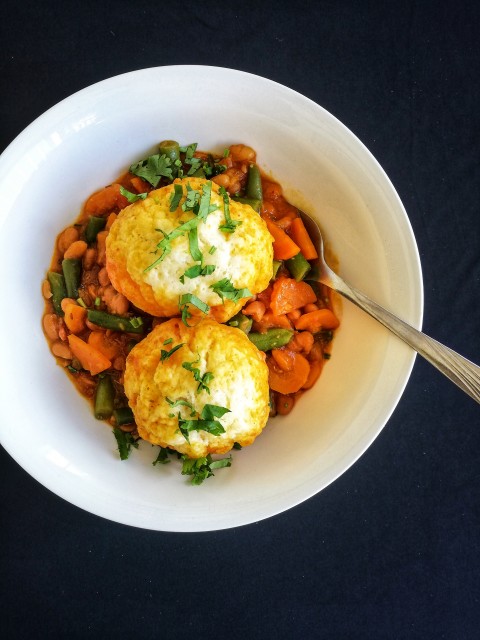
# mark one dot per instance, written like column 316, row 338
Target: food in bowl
column 179, row 303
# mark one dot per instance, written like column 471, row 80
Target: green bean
column 115, row 323
column 123, row 415
column 298, row 266
column 104, row 397
column 72, row 272
column 94, row 226
column 171, row 149
column 253, row 202
column 276, row 266
column 272, row 339
column 254, row 183
column 58, row 289
column 242, row 322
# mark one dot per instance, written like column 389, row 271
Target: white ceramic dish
column 86, row 141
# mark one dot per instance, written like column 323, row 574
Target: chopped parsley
column 176, row 197
column 203, row 380
column 168, row 341
column 162, row 457
column 202, row 468
column 189, row 298
column 132, row 197
column 225, row 289
column 125, row 442
column 207, row 422
column 181, row 403
column 230, row 225
column 197, row 270
column 164, row 355
column 153, row 169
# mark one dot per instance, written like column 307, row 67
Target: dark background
column 392, row 548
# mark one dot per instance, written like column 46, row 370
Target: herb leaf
column 162, row 457
column 203, row 380
column 166, row 354
column 176, row 197
column 189, row 298
column 125, row 442
column 201, row 468
column 198, row 270
column 132, row 197
column 153, row 169
column 225, row 289
column 230, row 225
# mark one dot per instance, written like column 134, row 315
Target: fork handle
column 464, row 373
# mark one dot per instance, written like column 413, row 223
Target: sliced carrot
column 283, row 246
column 288, row 295
column 100, row 341
column 75, row 317
column 317, row 320
column 255, row 309
column 90, row 358
column 141, row 186
column 315, row 371
column 110, row 220
column 105, row 200
column 300, row 236
column 290, row 381
column 270, row 321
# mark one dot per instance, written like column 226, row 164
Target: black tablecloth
column 392, row 548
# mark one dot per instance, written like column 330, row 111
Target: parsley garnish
column 198, row 270
column 202, row 468
column 202, row 380
column 207, row 422
column 193, row 245
column 168, row 341
column 189, row 298
column 125, row 442
column 153, row 169
column 166, row 354
column 162, row 457
column 176, row 197
column 225, row 289
column 132, row 197
column 230, row 225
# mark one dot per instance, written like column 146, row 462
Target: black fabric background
column 392, row 548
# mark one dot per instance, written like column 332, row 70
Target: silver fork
column 464, row 373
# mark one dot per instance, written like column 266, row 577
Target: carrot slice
column 290, row 381
column 317, row 320
column 300, row 236
column 283, row 246
column 100, row 341
column 271, row 321
column 105, row 200
column 315, row 371
column 90, row 358
column 75, row 317
column 256, row 309
column 288, row 295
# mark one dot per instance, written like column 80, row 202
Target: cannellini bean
column 61, row 350
column 310, row 307
column 222, row 180
column 46, row 290
column 119, row 304
column 241, row 152
column 66, row 238
column 89, row 258
column 76, row 250
column 50, row 326
column 65, row 302
column 103, row 278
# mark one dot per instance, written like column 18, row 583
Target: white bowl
column 86, row 141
